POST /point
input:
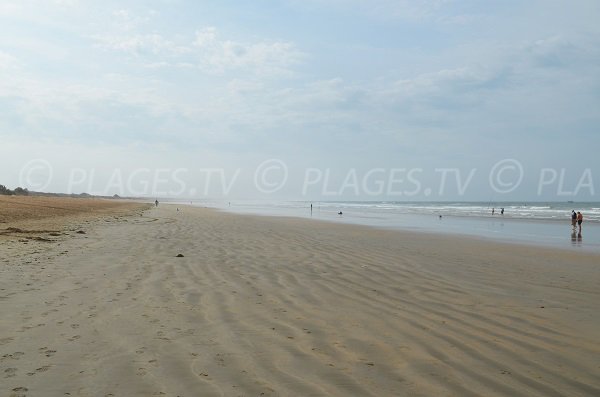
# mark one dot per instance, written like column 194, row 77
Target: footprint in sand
column 10, row 372
column 14, row 356
column 44, row 368
column 47, row 352
column 25, row 328
column 220, row 359
column 19, row 392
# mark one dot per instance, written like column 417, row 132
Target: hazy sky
column 153, row 96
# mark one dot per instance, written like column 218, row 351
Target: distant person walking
column 493, row 210
column 501, row 211
column 579, row 220
column 156, row 203
column 573, row 220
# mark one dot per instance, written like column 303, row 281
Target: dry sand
column 263, row 306
column 35, row 213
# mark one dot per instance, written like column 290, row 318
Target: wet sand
column 290, row 307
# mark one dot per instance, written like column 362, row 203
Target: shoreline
column 527, row 232
column 405, row 232
column 403, row 209
column 427, row 233
column 272, row 306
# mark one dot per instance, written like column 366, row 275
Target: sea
column 533, row 223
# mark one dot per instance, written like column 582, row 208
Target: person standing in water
column 579, row 220
column 493, row 210
column 573, row 220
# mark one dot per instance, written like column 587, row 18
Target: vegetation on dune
column 4, row 191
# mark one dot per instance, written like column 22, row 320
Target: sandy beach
column 101, row 305
column 33, row 213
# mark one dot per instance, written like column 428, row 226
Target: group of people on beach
column 501, row 211
column 576, row 219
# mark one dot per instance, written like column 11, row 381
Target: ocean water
column 538, row 223
column 517, row 210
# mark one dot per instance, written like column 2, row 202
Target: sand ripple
column 262, row 306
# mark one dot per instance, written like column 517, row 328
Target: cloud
column 245, row 107
column 562, row 52
column 23, row 8
column 452, row 83
column 120, row 73
column 218, row 55
column 460, row 19
column 7, row 61
column 125, row 20
column 66, row 2
column 262, row 57
column 512, row 95
column 139, row 44
column 206, row 37
column 381, row 9
column 207, row 51
column 9, row 8
column 406, row 9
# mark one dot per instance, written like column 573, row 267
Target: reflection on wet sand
column 576, row 238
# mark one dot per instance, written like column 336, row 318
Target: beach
column 33, row 213
column 132, row 300
column 530, row 223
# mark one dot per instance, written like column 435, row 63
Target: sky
column 302, row 99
